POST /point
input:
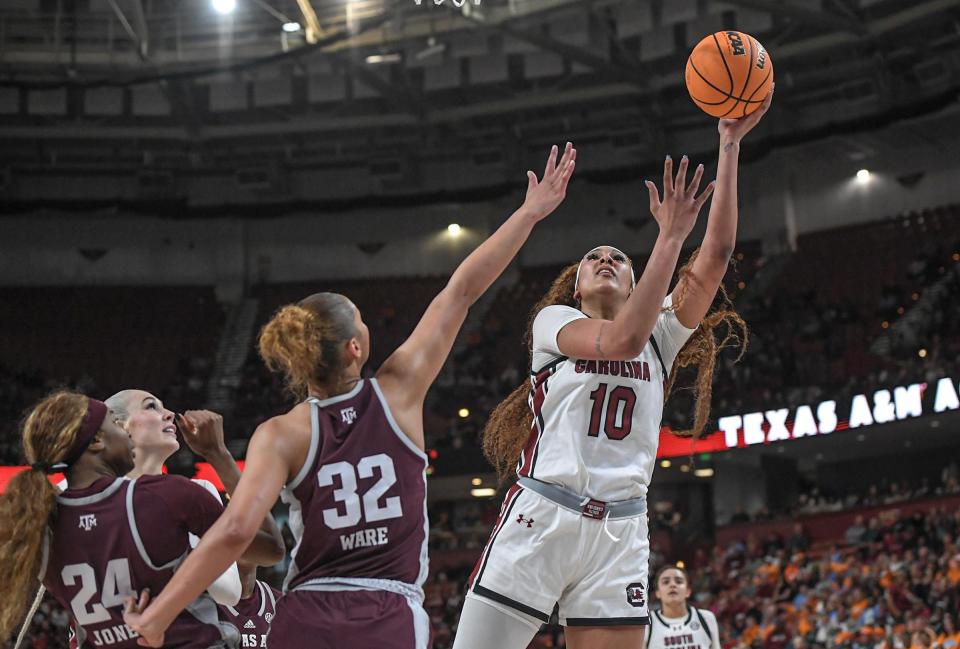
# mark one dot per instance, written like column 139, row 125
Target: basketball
column 729, row 74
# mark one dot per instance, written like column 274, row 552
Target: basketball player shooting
column 603, row 344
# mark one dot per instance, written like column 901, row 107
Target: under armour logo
column 88, row 522
column 528, row 521
column 348, row 415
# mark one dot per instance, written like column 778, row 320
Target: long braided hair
column 30, row 501
column 509, row 425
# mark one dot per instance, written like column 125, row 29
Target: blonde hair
column 304, row 341
column 29, row 502
column 508, row 426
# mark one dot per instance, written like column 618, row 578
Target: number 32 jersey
column 358, row 505
column 596, row 424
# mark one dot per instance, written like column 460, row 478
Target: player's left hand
column 733, row 130
column 545, row 194
column 134, row 618
column 203, row 432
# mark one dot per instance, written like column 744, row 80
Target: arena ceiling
column 161, row 88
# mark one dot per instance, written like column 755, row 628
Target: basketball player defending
column 573, row 532
column 350, row 460
column 677, row 625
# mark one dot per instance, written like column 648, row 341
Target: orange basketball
column 729, row 74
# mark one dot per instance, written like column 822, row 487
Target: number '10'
column 620, row 394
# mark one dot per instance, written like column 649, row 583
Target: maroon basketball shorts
column 359, row 619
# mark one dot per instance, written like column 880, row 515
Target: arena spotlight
column 703, row 473
column 379, row 59
column 665, row 464
column 224, row 6
column 863, row 176
column 291, row 27
column 454, row 229
column 463, row 413
column 483, row 492
column 922, row 353
column 476, row 482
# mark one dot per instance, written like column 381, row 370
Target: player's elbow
column 718, row 254
column 238, row 532
column 625, row 347
column 275, row 550
column 462, row 293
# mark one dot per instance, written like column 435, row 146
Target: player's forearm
column 226, row 469
column 485, row 264
column 721, row 235
column 636, row 320
column 269, row 542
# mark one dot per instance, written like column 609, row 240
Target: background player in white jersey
column 572, row 532
column 677, row 625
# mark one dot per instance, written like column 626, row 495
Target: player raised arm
column 697, row 289
column 408, row 373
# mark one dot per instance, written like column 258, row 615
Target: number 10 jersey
column 596, row 424
column 358, row 505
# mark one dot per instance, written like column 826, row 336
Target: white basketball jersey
column 698, row 630
column 597, row 423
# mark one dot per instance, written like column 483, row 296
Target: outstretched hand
column 733, row 130
column 677, row 213
column 133, row 617
column 544, row 195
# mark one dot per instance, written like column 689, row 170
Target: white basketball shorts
column 541, row 555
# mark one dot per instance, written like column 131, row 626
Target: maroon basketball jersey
column 252, row 616
column 358, row 505
column 96, row 556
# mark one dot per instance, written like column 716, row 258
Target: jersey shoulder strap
column 656, row 350
column 703, row 623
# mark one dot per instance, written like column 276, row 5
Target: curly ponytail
column 304, row 341
column 509, row 425
column 702, row 349
column 30, row 501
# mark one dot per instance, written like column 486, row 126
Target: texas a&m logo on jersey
column 635, row 595
column 348, row 415
column 88, row 522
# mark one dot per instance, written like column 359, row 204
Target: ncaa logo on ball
column 635, row 596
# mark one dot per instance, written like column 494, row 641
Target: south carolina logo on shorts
column 635, row 596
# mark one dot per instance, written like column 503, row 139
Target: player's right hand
column 134, row 618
